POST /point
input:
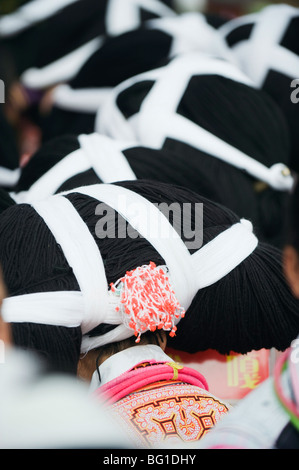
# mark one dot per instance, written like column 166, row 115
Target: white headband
column 188, row 273
column 9, row 177
column 120, row 17
column 80, row 100
column 29, row 14
column 262, row 51
column 102, row 154
column 124, row 16
column 107, row 158
column 158, row 119
column 189, row 31
column 62, row 69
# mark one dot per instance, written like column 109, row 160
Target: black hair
column 273, row 77
column 240, row 115
column 250, row 308
column 249, row 121
column 120, row 57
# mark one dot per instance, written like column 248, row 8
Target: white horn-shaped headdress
column 92, row 305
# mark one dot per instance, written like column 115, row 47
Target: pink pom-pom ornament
column 147, row 301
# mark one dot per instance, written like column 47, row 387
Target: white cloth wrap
column 30, row 14
column 99, row 152
column 262, row 51
column 158, row 120
column 188, row 273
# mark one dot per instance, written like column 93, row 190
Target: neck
column 123, row 361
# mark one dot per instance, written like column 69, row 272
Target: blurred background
column 225, row 7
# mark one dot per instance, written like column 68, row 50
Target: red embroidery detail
column 176, row 413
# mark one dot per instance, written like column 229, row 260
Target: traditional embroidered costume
column 160, row 402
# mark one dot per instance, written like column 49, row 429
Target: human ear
column 162, row 339
column 291, row 268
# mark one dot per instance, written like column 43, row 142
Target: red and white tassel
column 147, row 301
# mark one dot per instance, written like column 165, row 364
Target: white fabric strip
column 99, row 152
column 158, row 119
column 152, row 224
column 87, row 100
column 285, row 62
column 262, row 51
column 9, row 177
column 187, row 273
column 62, row 308
column 119, row 333
column 265, row 38
column 229, row 26
column 170, row 87
column 30, row 14
column 62, row 69
column 223, row 254
column 231, row 247
column 209, row 264
column 48, row 308
column 106, row 157
column 191, row 32
column 123, row 361
column 47, row 185
column 178, row 127
column 82, row 255
column 109, row 111
column 122, row 16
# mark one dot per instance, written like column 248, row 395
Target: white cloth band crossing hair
column 99, row 152
column 158, row 119
column 170, row 83
column 188, row 273
column 87, row 100
column 190, row 31
column 151, row 224
column 262, row 51
column 71, row 165
column 123, row 16
column 120, row 17
column 30, row 14
column 109, row 111
column 106, row 157
column 81, row 253
column 223, row 254
column 62, row 69
column 9, row 177
column 177, row 127
column 55, row 308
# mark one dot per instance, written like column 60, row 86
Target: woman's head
column 76, row 101
column 265, row 47
column 234, row 293
column 204, row 111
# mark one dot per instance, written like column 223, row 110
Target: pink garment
column 162, row 403
column 141, row 376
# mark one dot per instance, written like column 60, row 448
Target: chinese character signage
column 232, row 376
